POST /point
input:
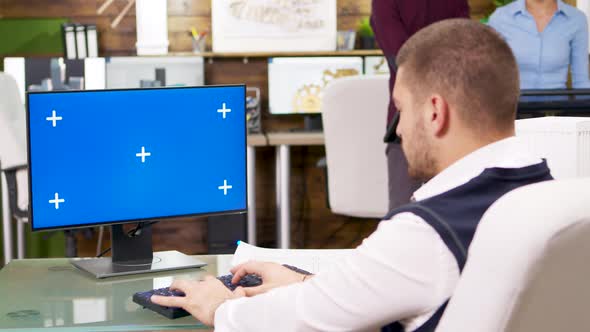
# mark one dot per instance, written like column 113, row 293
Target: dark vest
column 455, row 214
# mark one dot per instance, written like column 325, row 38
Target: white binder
column 69, row 31
column 81, row 41
column 92, row 41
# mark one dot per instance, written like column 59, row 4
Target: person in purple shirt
column 394, row 22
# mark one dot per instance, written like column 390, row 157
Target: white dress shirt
column 402, row 272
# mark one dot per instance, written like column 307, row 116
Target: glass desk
column 38, row 294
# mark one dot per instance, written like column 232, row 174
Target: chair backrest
column 13, row 135
column 528, row 267
column 13, row 142
column 354, row 118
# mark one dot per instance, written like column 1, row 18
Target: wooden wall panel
column 480, row 8
column 183, row 14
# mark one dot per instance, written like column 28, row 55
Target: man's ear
column 439, row 115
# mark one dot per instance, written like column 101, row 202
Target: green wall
column 31, row 36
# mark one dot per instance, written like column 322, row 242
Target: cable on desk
column 131, row 233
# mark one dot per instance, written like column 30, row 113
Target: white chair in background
column 13, row 165
column 527, row 267
column 354, row 111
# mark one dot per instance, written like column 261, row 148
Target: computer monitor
column 296, row 84
column 109, row 157
column 53, row 74
column 539, row 102
column 146, row 72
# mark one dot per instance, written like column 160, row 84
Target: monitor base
column 163, row 261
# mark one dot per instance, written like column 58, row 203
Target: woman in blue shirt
column 546, row 36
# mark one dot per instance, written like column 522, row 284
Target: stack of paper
column 311, row 260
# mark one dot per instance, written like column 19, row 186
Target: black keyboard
column 249, row 280
column 144, row 298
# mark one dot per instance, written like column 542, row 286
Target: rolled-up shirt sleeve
column 403, row 270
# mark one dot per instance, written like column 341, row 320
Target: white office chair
column 353, row 113
column 527, row 267
column 13, row 165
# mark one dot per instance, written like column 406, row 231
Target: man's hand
column 273, row 275
column 202, row 298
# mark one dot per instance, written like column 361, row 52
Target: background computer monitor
column 137, row 72
column 121, row 156
column 35, row 74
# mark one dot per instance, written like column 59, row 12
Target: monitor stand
column 133, row 255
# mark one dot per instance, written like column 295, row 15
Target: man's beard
column 421, row 164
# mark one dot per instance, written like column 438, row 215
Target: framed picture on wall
column 376, row 65
column 296, row 84
column 273, row 25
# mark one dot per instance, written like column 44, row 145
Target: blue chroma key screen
column 99, row 157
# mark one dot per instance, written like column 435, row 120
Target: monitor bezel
column 128, row 221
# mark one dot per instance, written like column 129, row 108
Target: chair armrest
column 10, row 174
column 15, row 168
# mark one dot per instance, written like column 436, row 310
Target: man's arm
column 579, row 56
column 402, row 270
column 388, row 27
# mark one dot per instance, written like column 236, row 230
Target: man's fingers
column 238, row 275
column 234, row 269
column 250, row 267
column 181, row 285
column 169, row 301
column 239, row 271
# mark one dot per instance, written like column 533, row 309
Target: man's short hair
column 468, row 64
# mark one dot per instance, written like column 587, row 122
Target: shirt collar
column 510, row 152
column 564, row 9
column 520, row 8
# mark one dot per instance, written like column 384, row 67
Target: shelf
column 295, row 138
column 281, row 54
